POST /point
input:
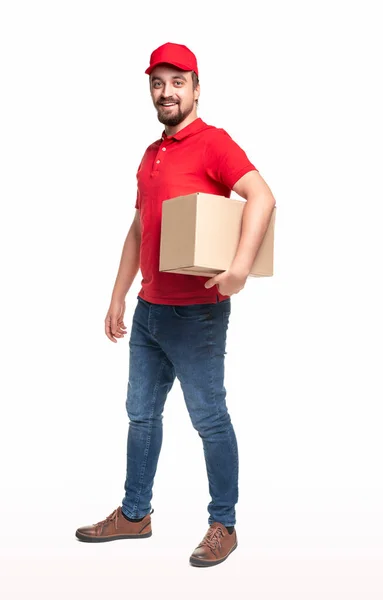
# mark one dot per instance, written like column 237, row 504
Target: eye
column 156, row 84
column 178, row 82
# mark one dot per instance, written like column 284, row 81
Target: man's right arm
column 130, row 260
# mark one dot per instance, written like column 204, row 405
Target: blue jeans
column 187, row 342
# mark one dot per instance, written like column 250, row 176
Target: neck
column 169, row 130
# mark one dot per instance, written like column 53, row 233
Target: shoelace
column 111, row 517
column 213, row 538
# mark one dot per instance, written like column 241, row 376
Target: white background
column 297, row 85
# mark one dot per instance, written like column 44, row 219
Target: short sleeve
column 225, row 161
column 138, row 203
column 137, row 200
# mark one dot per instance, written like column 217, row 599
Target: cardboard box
column 200, row 234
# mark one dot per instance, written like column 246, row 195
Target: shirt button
column 163, row 149
column 158, row 161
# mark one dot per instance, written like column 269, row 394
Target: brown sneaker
column 215, row 547
column 115, row 527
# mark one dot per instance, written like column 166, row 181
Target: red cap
column 173, row 54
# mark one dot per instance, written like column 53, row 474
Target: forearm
column 129, row 264
column 255, row 220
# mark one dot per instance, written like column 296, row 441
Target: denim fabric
column 187, row 342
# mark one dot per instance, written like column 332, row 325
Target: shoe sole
column 199, row 562
column 89, row 538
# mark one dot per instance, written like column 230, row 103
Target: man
column 180, row 321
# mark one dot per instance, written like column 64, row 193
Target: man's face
column 172, row 94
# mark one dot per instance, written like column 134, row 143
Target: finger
column 108, row 330
column 109, row 335
column 113, row 325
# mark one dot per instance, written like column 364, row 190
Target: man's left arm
column 256, row 217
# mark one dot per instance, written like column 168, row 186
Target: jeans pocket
column 194, row 312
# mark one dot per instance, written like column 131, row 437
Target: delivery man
column 180, row 322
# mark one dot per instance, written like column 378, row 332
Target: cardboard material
column 200, row 234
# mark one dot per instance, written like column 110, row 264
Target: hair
column 195, row 81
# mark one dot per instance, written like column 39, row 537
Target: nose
column 168, row 89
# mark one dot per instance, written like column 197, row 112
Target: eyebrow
column 174, row 77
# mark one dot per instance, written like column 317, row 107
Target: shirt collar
column 190, row 129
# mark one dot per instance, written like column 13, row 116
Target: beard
column 176, row 117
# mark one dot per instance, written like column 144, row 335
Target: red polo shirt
column 199, row 158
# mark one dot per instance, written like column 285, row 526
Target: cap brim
column 172, row 64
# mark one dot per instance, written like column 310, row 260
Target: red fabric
column 174, row 54
column 199, row 158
